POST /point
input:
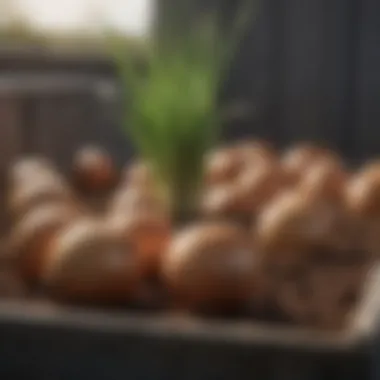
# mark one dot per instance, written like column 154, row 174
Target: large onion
column 91, row 263
column 210, row 266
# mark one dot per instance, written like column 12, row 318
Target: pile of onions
column 274, row 232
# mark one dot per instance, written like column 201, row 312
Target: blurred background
column 307, row 70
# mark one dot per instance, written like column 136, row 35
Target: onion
column 32, row 237
column 210, row 266
column 90, row 263
column 94, row 170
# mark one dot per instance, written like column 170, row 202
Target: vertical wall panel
column 255, row 80
column 367, row 105
column 304, row 54
column 338, row 73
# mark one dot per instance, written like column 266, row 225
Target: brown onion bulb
column 90, row 263
column 210, row 265
column 94, row 170
column 33, row 235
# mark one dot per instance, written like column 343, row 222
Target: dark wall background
column 310, row 69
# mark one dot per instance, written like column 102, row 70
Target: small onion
column 94, row 170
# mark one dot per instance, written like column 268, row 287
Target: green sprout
column 172, row 113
